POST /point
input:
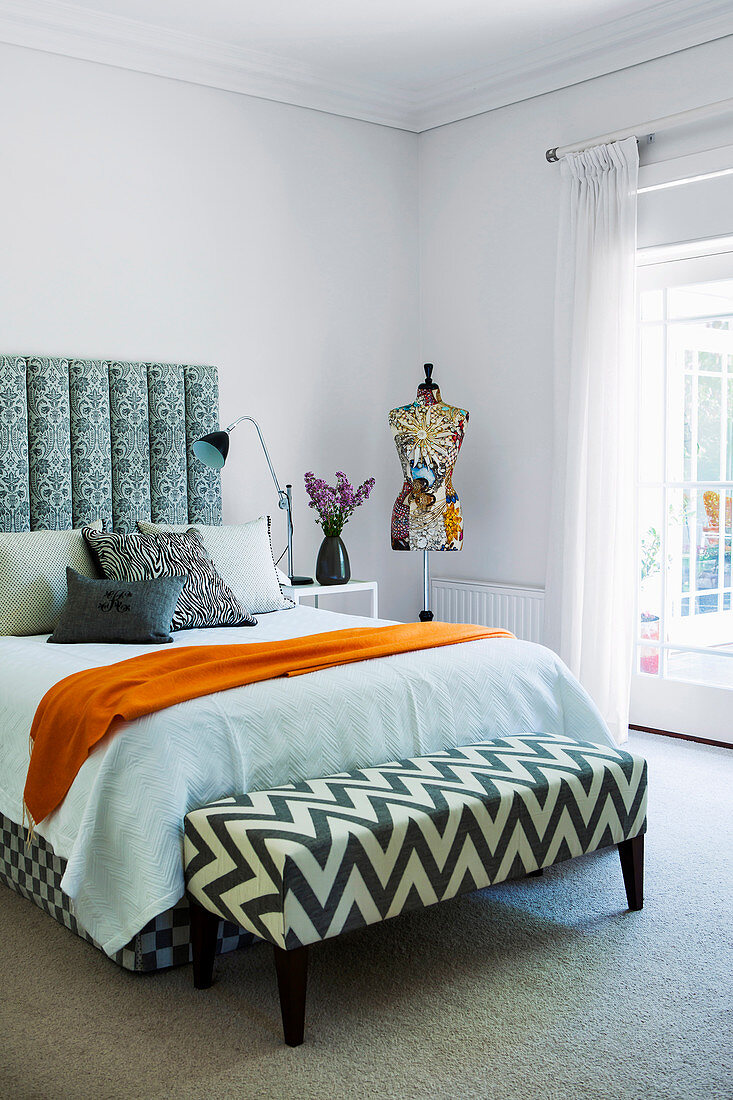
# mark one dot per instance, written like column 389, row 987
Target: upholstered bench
column 310, row 860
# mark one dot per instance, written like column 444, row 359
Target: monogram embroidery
column 113, row 601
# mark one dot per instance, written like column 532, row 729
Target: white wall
column 488, row 224
column 151, row 219
column 145, row 218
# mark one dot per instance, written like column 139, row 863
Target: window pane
column 651, row 503
column 699, row 402
column 689, row 413
column 709, row 361
column 649, row 659
column 650, row 579
column 680, row 547
column 651, row 443
column 708, row 561
column 685, row 525
column 651, row 305
column 680, row 406
column 726, row 536
column 728, row 472
column 708, row 429
column 714, row 668
column 703, row 300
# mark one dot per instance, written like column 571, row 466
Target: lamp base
column 301, row 580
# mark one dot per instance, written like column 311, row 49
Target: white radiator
column 497, row 605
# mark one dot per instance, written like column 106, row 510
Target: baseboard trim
column 683, row 737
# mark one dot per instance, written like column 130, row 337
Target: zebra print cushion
column 205, row 600
column 243, row 557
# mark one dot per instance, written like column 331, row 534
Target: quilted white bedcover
column 121, row 825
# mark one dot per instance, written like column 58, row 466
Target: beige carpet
column 545, row 988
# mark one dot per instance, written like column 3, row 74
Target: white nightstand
column 319, row 591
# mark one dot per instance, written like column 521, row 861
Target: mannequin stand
column 426, row 615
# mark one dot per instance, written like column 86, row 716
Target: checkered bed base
column 35, row 871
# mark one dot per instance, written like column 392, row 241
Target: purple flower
column 335, row 504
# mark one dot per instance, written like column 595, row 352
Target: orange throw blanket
column 79, row 710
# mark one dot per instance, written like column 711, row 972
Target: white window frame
column 680, row 705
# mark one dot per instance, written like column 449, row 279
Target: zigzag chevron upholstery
column 303, row 862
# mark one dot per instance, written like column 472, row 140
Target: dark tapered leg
column 292, row 977
column 204, row 930
column 536, row 874
column 631, row 853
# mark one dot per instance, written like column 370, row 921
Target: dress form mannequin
column 428, row 435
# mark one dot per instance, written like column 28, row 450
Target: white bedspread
column 121, row 825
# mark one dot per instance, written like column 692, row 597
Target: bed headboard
column 84, row 439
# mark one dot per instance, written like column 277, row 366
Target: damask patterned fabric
column 49, row 442
column 130, row 442
column 205, row 600
column 91, row 456
column 33, row 577
column 167, row 416
column 87, row 439
column 15, row 497
column 202, row 417
column 242, row 554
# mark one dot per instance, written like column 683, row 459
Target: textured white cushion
column 33, row 577
column 242, row 554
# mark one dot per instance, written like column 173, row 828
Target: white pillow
column 242, row 554
column 33, row 577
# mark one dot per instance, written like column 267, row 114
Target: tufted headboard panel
column 84, row 439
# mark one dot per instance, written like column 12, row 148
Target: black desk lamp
column 212, row 450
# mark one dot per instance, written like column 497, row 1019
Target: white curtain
column 591, row 570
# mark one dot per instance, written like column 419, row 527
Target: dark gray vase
column 332, row 563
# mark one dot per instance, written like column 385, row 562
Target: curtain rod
column 709, row 110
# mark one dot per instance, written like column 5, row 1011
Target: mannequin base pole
column 426, row 615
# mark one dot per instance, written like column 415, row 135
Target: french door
column 683, row 676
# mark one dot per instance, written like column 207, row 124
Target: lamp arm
column 283, row 496
column 280, row 491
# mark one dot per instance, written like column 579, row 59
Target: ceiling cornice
column 664, row 28
column 56, row 26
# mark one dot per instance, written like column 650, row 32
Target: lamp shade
column 212, row 449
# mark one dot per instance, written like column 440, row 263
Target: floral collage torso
column 428, row 435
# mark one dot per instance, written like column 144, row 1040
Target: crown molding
column 664, row 28
column 56, row 26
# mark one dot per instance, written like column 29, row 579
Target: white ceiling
column 408, row 63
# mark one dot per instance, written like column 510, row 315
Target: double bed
column 108, row 862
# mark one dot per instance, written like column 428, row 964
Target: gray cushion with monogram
column 137, row 612
column 205, row 600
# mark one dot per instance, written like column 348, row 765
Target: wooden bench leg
column 204, row 931
column 292, row 977
column 631, row 853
